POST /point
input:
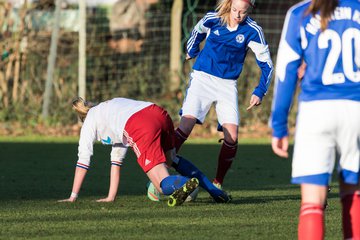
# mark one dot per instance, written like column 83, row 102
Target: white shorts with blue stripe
column 324, row 128
column 205, row 90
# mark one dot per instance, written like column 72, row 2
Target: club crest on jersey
column 240, row 38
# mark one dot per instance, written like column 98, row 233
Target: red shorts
column 150, row 132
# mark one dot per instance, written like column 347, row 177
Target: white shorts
column 204, row 90
column 323, row 129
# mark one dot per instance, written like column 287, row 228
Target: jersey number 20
column 341, row 45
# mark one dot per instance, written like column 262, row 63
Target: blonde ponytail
column 223, row 8
column 81, row 107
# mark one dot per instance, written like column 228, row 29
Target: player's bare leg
column 157, row 174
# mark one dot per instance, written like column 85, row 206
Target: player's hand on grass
column 108, row 199
column 254, row 101
column 70, row 199
column 280, row 146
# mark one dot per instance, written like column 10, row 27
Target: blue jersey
column 332, row 58
column 225, row 49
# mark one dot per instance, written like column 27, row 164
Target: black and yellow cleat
column 224, row 197
column 179, row 196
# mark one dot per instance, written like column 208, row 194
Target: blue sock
column 186, row 168
column 171, row 183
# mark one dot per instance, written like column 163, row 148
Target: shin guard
column 180, row 138
column 226, row 157
column 311, row 222
column 351, row 215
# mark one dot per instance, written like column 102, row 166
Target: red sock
column 180, row 138
column 311, row 222
column 351, row 215
column 226, row 157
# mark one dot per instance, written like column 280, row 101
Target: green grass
column 34, row 174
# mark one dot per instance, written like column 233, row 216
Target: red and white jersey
column 105, row 122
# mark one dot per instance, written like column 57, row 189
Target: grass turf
column 34, row 174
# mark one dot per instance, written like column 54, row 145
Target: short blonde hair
column 81, row 107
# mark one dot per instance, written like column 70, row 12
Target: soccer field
column 35, row 173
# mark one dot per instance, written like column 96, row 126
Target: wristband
column 73, row 195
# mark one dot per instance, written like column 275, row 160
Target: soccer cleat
column 152, row 193
column 217, row 184
column 179, row 196
column 192, row 197
column 223, row 198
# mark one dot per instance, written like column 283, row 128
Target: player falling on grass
column 149, row 131
column 326, row 35
column 229, row 33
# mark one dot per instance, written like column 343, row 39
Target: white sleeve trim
column 199, row 28
column 261, row 51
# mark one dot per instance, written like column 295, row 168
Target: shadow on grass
column 46, row 170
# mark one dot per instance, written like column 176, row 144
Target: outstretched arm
column 117, row 155
column 87, row 138
column 114, row 184
column 80, row 174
